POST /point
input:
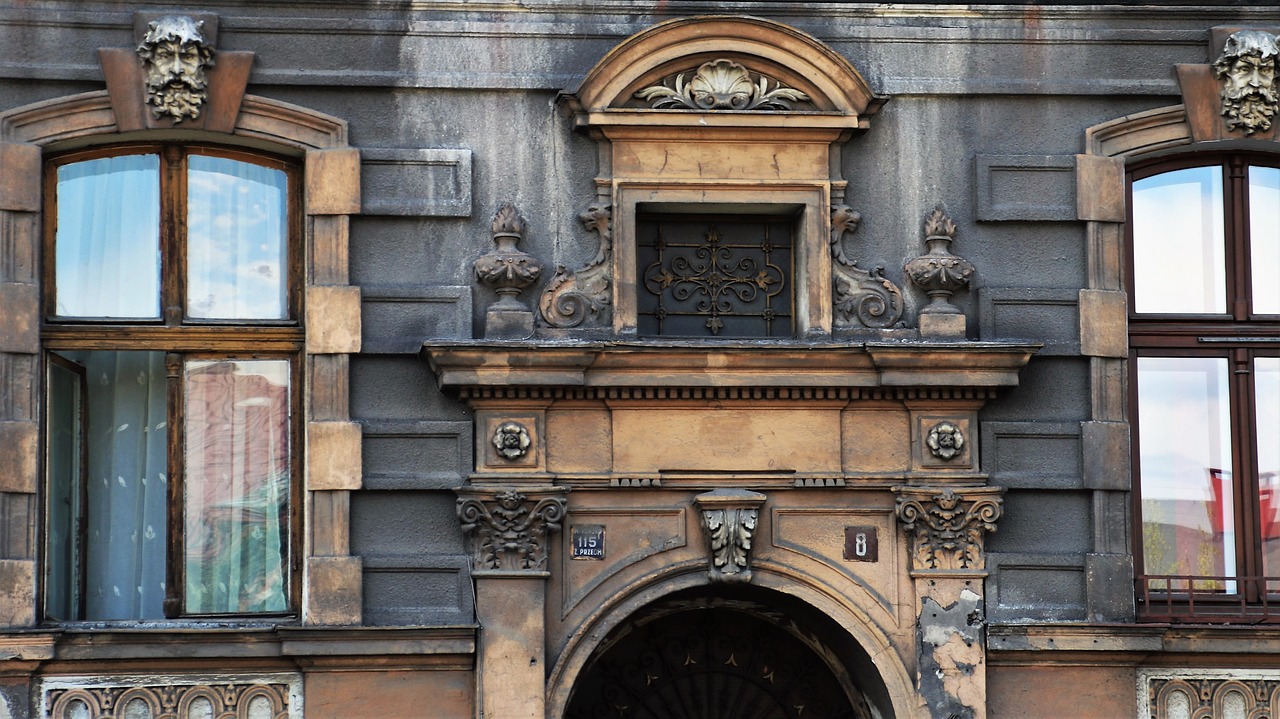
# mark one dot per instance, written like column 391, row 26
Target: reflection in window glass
column 1266, row 385
column 1178, row 260
column 108, row 238
column 1188, row 525
column 236, row 241
column 236, row 482
column 1264, row 238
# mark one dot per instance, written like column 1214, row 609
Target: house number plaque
column 588, row 541
column 861, row 545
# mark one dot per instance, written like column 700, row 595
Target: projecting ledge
column 961, row 365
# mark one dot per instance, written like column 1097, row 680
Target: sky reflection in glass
column 1178, row 258
column 1264, row 238
column 236, row 240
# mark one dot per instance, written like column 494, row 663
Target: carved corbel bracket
column 729, row 517
column 573, row 299
column 861, row 297
column 507, row 528
column 946, row 525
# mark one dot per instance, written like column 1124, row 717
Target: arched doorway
column 743, row 654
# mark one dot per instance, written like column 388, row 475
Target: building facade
column 619, row 359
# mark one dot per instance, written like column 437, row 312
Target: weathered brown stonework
column 508, row 529
column 947, row 525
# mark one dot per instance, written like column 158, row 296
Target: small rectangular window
column 722, row 276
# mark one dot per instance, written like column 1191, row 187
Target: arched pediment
column 813, row 78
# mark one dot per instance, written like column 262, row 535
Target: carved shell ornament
column 721, row 85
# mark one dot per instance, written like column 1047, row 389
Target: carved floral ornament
column 1247, row 68
column 511, row 439
column 579, row 298
column 946, row 525
column 175, row 57
column 945, row 441
column 939, row 273
column 507, row 269
column 508, row 530
column 721, row 85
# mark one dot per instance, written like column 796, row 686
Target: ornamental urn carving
column 938, row 272
column 508, row 270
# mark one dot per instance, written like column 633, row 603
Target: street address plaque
column 588, row 541
column 861, row 545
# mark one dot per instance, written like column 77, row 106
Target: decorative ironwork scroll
column 730, row 278
column 729, row 517
column 721, row 85
column 861, row 297
column 947, row 526
column 576, row 298
column 508, row 530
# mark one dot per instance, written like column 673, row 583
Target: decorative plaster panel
column 395, row 319
column 424, row 183
column 1025, row 187
column 247, row 696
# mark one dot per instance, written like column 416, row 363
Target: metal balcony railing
column 1203, row 599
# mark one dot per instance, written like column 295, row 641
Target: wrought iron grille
column 715, row 276
column 1201, row 599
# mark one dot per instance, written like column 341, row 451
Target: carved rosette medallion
column 511, row 439
column 506, row 269
column 1247, row 69
column 175, row 57
column 721, row 85
column 729, row 517
column 939, row 273
column 861, row 297
column 947, row 525
column 572, row 299
column 945, row 441
column 507, row 530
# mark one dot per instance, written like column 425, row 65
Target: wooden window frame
column 182, row 339
column 1239, row 336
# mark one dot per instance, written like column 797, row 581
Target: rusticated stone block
column 333, row 320
column 1104, row 323
column 333, row 182
column 1100, row 188
column 333, row 455
column 17, row 593
column 18, row 445
column 20, row 181
column 333, row 596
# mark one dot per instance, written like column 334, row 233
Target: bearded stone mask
column 175, row 56
column 1247, row 69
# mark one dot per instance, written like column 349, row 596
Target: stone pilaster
column 945, row 527
column 507, row 530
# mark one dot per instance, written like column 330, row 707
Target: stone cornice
column 958, row 366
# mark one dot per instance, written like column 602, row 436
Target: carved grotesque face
column 175, row 56
column 1247, row 69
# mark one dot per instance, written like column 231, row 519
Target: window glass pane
column 1264, row 238
column 1178, row 255
column 1266, row 383
column 237, row 231
column 64, row 559
column 108, row 238
column 236, row 484
column 1188, row 523
column 125, row 493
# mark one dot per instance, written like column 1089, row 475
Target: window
column 1204, row 334
column 714, row 275
column 172, row 354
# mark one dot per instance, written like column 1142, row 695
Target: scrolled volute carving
column 1247, row 69
column 946, row 525
column 175, row 56
column 939, row 273
column 573, row 299
column 508, row 530
column 721, row 84
column 729, row 517
column 945, row 441
column 861, row 297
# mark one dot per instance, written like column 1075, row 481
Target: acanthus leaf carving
column 947, row 526
column 861, row 297
column 729, row 517
column 721, row 84
column 507, row 530
column 583, row 297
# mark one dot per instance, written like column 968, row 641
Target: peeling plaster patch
column 950, row 654
column 4, row 708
